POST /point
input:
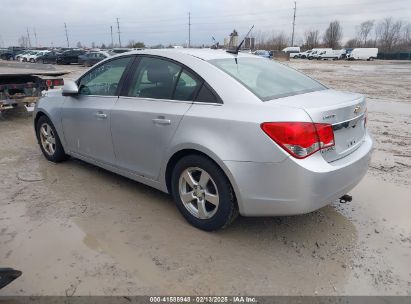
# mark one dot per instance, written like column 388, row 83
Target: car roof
column 204, row 54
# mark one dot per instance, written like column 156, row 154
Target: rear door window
column 154, row 78
column 187, row 86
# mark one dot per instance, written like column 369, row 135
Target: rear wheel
column 49, row 141
column 203, row 193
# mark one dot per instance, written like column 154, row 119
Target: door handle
column 101, row 115
column 162, row 121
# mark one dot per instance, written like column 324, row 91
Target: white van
column 363, row 54
column 329, row 54
column 316, row 52
column 294, row 51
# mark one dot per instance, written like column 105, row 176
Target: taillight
column 58, row 82
column 300, row 139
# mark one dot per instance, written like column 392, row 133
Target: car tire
column 49, row 141
column 207, row 203
column 32, row 60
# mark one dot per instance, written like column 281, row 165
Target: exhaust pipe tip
column 345, row 198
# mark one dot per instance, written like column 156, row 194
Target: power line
column 118, row 31
column 295, row 10
column 65, row 28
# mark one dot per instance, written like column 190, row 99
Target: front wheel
column 203, row 193
column 49, row 141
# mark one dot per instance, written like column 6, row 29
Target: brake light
column 300, row 139
column 58, row 82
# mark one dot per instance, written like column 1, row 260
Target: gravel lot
column 75, row 229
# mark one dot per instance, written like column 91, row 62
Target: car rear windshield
column 266, row 78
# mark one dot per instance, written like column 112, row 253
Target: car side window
column 154, row 78
column 104, row 79
column 187, row 86
column 206, row 95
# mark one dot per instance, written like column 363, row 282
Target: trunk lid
column 343, row 110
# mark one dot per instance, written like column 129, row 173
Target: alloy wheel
column 198, row 192
column 48, row 139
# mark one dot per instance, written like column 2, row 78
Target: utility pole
column 295, row 10
column 28, row 37
column 35, row 37
column 118, row 31
column 111, row 30
column 189, row 29
column 65, row 28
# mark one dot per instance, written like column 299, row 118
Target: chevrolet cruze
column 223, row 133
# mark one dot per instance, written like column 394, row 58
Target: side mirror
column 70, row 88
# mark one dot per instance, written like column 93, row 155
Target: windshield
column 267, row 79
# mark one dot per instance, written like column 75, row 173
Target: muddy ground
column 75, row 229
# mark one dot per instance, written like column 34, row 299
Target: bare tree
column 388, row 33
column 311, row 39
column 278, row 41
column 333, row 35
column 93, row 45
column 260, row 40
column 23, row 41
column 79, row 45
column 353, row 43
column 406, row 36
column 137, row 45
column 364, row 30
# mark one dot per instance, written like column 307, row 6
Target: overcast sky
column 166, row 22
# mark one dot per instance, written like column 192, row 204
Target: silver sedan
column 224, row 134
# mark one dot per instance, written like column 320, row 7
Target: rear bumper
column 297, row 186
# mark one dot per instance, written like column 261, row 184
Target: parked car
column 33, row 57
column 120, row 50
column 304, row 55
column 345, row 52
column 92, row 58
column 262, row 53
column 49, row 57
column 363, row 54
column 69, row 56
column 222, row 133
column 11, row 52
column 21, row 54
column 24, row 55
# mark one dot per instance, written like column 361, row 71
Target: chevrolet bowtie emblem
column 357, row 109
